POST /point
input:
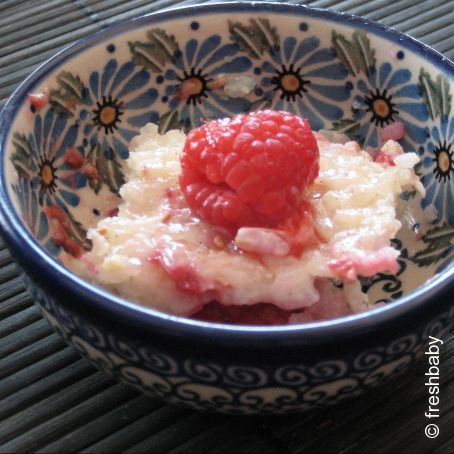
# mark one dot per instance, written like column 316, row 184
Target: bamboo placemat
column 51, row 400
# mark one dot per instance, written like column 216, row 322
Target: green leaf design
column 68, row 95
column 155, row 53
column 91, row 158
column 71, row 85
column 112, row 173
column 348, row 126
column 256, row 38
column 366, row 55
column 439, row 241
column 110, row 170
column 57, row 101
column 169, row 121
column 345, row 51
column 356, row 54
column 446, row 98
column 165, row 44
column 78, row 233
column 21, row 155
column 436, row 94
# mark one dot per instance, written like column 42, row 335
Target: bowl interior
column 63, row 161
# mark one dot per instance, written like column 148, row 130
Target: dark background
column 53, row 401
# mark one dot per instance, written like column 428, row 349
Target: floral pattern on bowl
column 240, row 389
column 64, row 166
column 78, row 142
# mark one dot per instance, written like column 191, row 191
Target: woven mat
column 51, row 400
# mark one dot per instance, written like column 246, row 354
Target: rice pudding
column 159, row 253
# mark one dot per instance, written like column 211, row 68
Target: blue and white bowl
column 342, row 73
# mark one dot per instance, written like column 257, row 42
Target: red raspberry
column 250, row 170
column 385, row 158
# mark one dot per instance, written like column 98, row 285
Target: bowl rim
column 19, row 238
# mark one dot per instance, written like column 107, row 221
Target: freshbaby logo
column 433, row 383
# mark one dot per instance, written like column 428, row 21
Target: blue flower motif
column 304, row 79
column 190, row 87
column 50, row 172
column 386, row 96
column 115, row 104
column 438, row 170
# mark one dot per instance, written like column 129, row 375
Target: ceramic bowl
column 342, row 73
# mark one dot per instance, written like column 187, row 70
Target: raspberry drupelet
column 250, row 170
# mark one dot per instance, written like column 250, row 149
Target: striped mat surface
column 51, row 400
